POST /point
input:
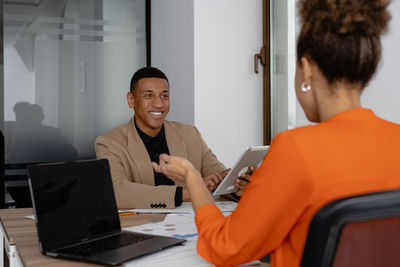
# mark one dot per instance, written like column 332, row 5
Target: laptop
column 77, row 218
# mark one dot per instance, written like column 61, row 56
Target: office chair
column 2, row 182
column 361, row 230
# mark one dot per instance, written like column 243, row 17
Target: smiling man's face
column 150, row 100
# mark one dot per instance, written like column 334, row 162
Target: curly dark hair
column 343, row 37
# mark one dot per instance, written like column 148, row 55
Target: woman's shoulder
column 298, row 132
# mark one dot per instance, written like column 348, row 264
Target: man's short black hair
column 146, row 72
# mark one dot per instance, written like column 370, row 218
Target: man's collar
column 147, row 138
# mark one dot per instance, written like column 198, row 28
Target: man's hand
column 242, row 181
column 214, row 180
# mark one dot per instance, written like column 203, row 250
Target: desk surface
column 21, row 232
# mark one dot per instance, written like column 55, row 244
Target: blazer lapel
column 175, row 142
column 139, row 155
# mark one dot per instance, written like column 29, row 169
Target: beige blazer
column 130, row 164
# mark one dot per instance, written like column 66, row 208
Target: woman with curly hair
column 349, row 151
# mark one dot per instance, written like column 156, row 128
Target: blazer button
column 152, row 206
column 164, row 205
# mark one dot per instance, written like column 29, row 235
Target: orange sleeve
column 279, row 191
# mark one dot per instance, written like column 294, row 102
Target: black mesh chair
column 361, row 230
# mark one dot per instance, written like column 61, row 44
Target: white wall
column 227, row 95
column 383, row 93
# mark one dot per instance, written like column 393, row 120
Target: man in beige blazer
column 131, row 148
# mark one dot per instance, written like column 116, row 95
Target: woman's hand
column 181, row 170
column 175, row 168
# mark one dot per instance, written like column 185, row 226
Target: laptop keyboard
column 105, row 244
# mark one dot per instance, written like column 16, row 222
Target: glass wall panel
column 67, row 69
column 283, row 63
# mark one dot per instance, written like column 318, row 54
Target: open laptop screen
column 72, row 201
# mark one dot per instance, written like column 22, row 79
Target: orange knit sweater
column 353, row 152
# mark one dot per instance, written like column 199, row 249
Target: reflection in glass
column 67, row 68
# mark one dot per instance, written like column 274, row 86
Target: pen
column 126, row 213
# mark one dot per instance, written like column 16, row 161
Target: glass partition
column 67, row 69
column 283, row 65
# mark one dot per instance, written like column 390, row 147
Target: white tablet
column 251, row 156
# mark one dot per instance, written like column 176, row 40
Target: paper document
column 176, row 225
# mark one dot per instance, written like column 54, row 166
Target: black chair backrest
column 361, row 230
column 2, row 174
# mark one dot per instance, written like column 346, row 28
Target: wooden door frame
column 264, row 57
column 266, row 74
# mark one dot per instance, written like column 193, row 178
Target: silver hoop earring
column 305, row 87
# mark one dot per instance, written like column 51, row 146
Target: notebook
column 251, row 156
column 77, row 218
